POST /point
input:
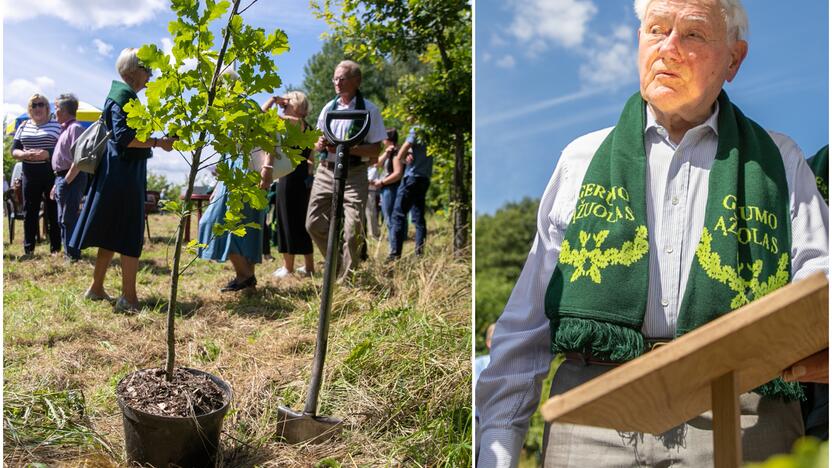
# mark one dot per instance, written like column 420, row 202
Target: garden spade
column 308, row 426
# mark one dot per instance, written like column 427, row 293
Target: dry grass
column 397, row 371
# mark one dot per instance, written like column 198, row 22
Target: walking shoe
column 281, row 272
column 301, row 271
column 93, row 296
column 234, row 285
column 123, row 305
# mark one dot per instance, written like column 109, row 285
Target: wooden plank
column 671, row 384
column 727, row 431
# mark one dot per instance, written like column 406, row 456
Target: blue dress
column 113, row 213
column 249, row 246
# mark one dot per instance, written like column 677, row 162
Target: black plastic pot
column 163, row 441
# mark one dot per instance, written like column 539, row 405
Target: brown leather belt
column 587, row 359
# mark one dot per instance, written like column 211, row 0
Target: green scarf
column 820, row 167
column 744, row 252
column 354, row 126
column 121, row 93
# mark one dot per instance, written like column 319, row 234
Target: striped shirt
column 508, row 390
column 33, row 136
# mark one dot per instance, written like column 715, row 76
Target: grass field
column 398, row 369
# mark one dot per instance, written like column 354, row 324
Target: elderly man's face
column 685, row 56
column 345, row 83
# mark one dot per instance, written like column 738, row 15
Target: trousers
column 320, row 211
column 769, row 427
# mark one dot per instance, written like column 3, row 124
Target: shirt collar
column 66, row 124
column 349, row 104
column 712, row 121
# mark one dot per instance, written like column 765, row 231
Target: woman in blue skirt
column 244, row 252
column 113, row 215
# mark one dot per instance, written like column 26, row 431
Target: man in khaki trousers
column 346, row 80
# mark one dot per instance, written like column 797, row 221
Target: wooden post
column 726, row 410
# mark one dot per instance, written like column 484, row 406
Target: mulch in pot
column 186, row 395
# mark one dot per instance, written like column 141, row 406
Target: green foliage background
column 503, row 242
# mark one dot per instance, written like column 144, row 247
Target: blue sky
column 51, row 48
column 548, row 71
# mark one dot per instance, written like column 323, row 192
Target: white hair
column 732, row 10
column 128, row 62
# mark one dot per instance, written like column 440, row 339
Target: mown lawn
column 398, row 368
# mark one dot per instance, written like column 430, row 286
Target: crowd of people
column 107, row 209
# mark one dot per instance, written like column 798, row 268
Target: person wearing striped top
column 34, row 142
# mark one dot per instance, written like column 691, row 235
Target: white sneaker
column 281, row 272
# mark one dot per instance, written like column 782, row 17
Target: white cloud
column 167, row 48
column 86, row 14
column 507, row 61
column 10, row 112
column 102, row 47
column 611, row 61
column 486, row 57
column 19, row 91
column 541, row 23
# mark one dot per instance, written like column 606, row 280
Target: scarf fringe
column 779, row 388
column 618, row 343
column 600, row 339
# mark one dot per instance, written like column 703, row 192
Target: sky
column 53, row 49
column 549, row 71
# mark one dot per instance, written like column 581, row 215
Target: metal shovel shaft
column 330, row 271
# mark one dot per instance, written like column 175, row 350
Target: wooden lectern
column 707, row 368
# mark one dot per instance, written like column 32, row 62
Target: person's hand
column 166, row 143
column 814, row 368
column 52, row 193
column 409, row 159
column 320, row 144
column 41, row 155
column 376, row 184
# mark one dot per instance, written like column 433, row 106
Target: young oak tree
column 203, row 111
column 438, row 32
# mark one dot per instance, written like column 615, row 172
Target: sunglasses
column 35, row 105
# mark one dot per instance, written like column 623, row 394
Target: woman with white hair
column 33, row 144
column 113, row 215
column 293, row 194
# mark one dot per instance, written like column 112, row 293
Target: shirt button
column 665, row 302
column 668, row 249
column 674, row 200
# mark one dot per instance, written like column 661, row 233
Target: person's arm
column 395, row 176
column 508, row 390
column 271, row 102
column 810, row 240
column 266, row 171
column 125, row 136
column 367, row 150
column 72, row 173
column 165, row 143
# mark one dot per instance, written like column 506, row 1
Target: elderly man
column 68, row 189
column 669, row 206
column 347, row 80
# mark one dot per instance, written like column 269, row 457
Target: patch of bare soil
column 186, row 395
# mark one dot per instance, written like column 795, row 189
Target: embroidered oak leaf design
column 591, row 262
column 747, row 290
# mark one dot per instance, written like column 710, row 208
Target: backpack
column 88, row 148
